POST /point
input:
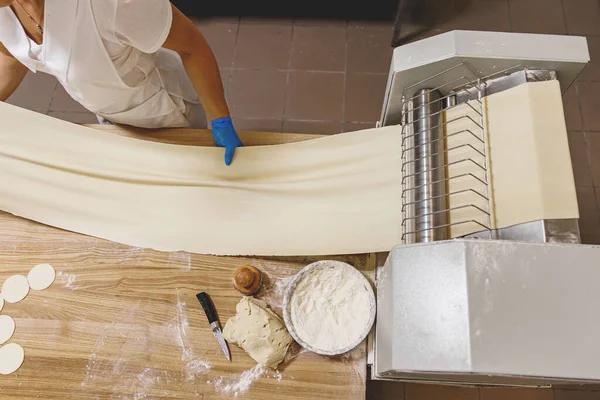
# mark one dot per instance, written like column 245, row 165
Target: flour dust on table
column 237, row 384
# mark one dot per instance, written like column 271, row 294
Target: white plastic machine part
column 489, row 311
column 486, row 53
column 486, row 311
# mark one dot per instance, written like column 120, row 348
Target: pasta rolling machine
column 490, row 284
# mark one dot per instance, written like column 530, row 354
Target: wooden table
column 122, row 322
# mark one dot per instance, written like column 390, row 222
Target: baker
column 133, row 62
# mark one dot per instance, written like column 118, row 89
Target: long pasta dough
column 338, row 194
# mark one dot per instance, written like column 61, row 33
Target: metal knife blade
column 211, row 315
column 216, row 330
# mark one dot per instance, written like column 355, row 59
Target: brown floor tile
column 589, row 215
column 576, row 395
column 589, row 99
column 364, row 96
column 225, row 80
column 593, row 144
column 549, row 16
column 221, row 36
column 358, row 126
column 582, row 16
column 35, row 92
column 264, row 46
column 257, row 125
column 257, row 94
column 75, row 117
column 416, row 33
column 266, row 21
column 369, row 47
column 515, row 394
column 579, row 159
column 571, row 108
column 415, row 391
column 591, row 72
column 62, row 101
column 481, row 15
column 316, row 127
column 385, row 390
column 320, row 22
column 315, row 96
column 319, row 48
column 581, row 388
column 198, row 21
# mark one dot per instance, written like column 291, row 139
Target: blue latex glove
column 225, row 136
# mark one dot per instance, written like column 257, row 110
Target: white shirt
column 107, row 54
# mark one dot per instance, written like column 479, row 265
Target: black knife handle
column 207, row 305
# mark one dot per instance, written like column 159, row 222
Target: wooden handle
column 247, row 280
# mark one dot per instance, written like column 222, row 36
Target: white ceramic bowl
column 287, row 314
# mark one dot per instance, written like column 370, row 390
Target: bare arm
column 12, row 73
column 199, row 63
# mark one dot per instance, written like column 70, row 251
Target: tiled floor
column 329, row 77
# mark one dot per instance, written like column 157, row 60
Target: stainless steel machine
column 459, row 300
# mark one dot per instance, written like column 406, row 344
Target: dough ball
column 11, row 358
column 7, row 328
column 259, row 331
column 41, row 276
column 15, row 289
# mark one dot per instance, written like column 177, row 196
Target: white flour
column 180, row 327
column 331, row 307
column 194, row 368
column 239, row 383
column 181, row 259
column 68, row 280
column 273, row 292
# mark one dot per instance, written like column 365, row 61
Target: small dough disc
column 15, row 289
column 41, row 276
column 11, row 358
column 7, row 328
column 1, row 302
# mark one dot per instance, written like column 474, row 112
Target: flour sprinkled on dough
column 259, row 331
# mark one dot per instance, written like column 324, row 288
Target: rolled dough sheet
column 7, row 328
column 531, row 171
column 41, row 276
column 333, row 195
column 15, row 288
column 11, row 358
column 527, row 158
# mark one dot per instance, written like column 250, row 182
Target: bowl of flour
column 329, row 307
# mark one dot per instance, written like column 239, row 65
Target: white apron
column 72, row 50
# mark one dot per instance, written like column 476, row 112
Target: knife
column 211, row 314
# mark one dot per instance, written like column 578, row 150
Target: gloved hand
column 225, row 136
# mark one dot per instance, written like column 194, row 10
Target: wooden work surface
column 123, row 323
